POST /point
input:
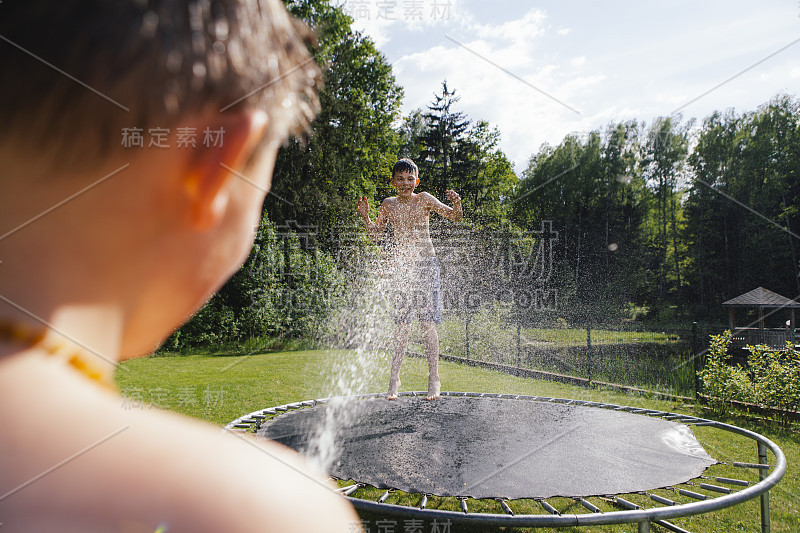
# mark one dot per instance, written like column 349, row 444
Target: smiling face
column 405, row 182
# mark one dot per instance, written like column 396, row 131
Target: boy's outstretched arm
column 454, row 213
column 374, row 229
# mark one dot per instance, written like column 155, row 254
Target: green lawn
column 221, row 388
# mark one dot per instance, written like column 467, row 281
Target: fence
column 661, row 361
column 665, row 361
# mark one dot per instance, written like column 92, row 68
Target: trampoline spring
column 423, row 503
column 729, row 481
column 752, row 465
column 625, row 504
column 660, row 499
column 464, row 505
column 715, row 488
column 549, row 508
column 670, row 526
column 589, row 505
column 505, row 507
column 690, row 494
column 347, row 491
column 385, row 496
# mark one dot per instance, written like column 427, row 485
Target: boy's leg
column 431, row 337
column 400, row 345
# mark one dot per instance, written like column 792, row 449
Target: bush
column 776, row 376
column 283, row 291
column 723, row 382
column 771, row 378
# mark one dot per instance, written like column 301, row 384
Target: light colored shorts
column 418, row 287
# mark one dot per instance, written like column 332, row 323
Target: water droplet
column 149, row 25
column 221, row 29
column 199, row 69
column 174, row 61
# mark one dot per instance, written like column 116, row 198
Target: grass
column 221, row 388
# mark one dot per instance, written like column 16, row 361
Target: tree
column 663, row 156
column 484, row 175
column 440, row 159
column 592, row 192
column 741, row 208
column 353, row 144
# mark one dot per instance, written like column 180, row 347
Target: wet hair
column 77, row 72
column 405, row 165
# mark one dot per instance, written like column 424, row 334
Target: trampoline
column 512, row 448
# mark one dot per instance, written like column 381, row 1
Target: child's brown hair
column 76, row 73
column 405, row 165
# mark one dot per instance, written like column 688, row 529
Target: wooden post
column 466, row 329
column 589, row 348
column 695, row 360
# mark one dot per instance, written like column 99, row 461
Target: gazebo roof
column 761, row 297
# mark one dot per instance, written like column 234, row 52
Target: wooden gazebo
column 761, row 299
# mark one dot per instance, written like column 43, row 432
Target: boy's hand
column 362, row 207
column 453, row 196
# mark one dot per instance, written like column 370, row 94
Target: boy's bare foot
column 393, row 388
column 434, row 390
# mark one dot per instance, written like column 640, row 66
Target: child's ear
column 210, row 169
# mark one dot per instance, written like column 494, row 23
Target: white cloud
column 637, row 60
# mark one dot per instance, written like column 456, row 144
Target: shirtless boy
column 415, row 268
column 105, row 249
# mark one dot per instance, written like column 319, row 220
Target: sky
column 541, row 70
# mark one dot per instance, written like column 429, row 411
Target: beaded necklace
column 31, row 337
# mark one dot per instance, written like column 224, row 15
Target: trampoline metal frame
column 631, row 513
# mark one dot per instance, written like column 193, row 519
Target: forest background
column 647, row 223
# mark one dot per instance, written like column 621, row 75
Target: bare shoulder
column 428, row 199
column 389, row 203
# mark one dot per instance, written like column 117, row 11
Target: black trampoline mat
column 493, row 447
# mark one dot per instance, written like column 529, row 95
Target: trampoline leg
column 644, row 527
column 762, row 473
